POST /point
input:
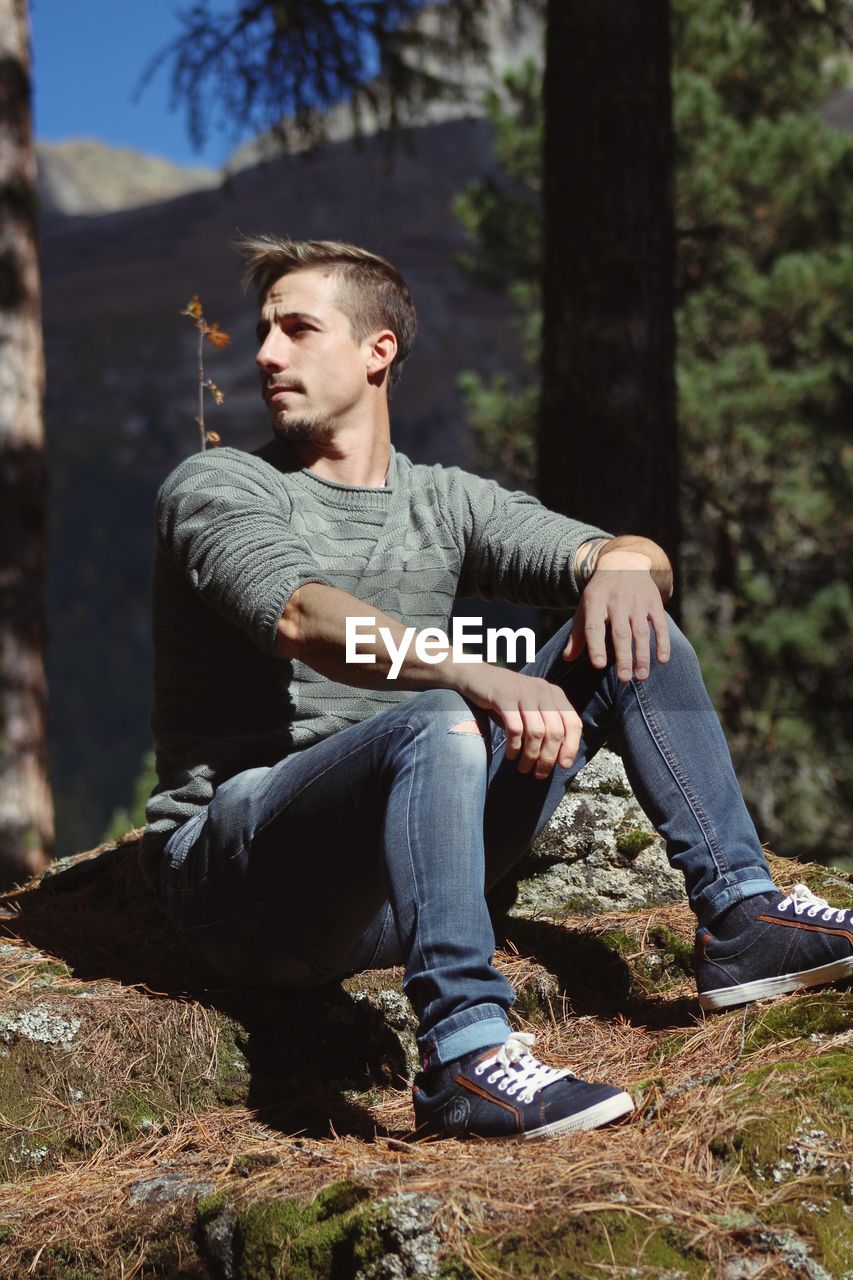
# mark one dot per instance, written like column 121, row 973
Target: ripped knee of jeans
column 467, row 727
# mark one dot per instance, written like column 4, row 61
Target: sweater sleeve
column 516, row 549
column 225, row 524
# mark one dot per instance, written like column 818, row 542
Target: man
column 324, row 806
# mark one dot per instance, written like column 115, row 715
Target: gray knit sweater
column 238, row 532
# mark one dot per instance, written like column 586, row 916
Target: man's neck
column 363, row 463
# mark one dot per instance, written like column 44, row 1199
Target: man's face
column 313, row 372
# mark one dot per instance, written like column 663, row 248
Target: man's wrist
column 586, row 560
column 622, row 559
column 630, row 552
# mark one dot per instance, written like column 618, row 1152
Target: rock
column 342, row 1232
column 394, row 1013
column 216, row 1219
column 598, row 853
column 405, row 1227
column 154, row 1193
column 42, row 1024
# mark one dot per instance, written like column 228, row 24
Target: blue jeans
column 373, row 847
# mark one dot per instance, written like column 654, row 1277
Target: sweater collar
column 332, row 491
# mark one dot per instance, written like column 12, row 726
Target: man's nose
column 272, row 353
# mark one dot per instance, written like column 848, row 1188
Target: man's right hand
column 542, row 727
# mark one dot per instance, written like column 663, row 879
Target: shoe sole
column 621, row 1104
column 763, row 989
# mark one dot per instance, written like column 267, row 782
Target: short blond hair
column 372, row 293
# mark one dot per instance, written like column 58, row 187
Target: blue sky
column 88, row 58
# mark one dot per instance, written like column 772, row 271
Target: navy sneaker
column 507, row 1093
column 792, row 941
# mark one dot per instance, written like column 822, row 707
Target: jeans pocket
column 246, row 948
column 176, row 850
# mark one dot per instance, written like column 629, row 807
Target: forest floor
column 150, row 1126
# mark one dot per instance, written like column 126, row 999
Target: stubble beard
column 304, row 430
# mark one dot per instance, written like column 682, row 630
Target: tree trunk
column 608, row 445
column 26, row 810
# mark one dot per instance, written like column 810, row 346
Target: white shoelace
column 805, row 902
column 517, row 1071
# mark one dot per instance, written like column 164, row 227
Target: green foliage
column 129, row 819
column 503, row 215
column 765, row 207
column 630, row 843
column 764, row 215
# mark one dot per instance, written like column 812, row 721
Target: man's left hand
column 623, row 594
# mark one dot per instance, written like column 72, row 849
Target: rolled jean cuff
column 478, row 1028
column 729, row 889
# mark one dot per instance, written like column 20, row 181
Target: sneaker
column 507, row 1093
column 793, row 941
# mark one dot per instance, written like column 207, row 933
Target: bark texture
column 26, row 811
column 608, row 447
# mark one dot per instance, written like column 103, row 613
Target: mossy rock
column 805, row 1112
column 96, row 1103
column 342, row 1233
column 822, row 1013
column 273, row 1238
column 586, row 1245
column 655, row 961
column 677, row 951
column 170, row 1253
column 615, row 788
column 825, row 1221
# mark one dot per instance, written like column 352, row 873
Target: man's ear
column 382, row 350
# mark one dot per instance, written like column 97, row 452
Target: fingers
column 621, row 634
column 662, row 638
column 628, row 605
column 595, row 635
column 542, row 730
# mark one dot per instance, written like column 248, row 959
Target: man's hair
column 371, row 293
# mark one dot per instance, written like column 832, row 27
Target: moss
column 677, row 951
column 28, row 1140
column 329, row 1249
column 7, row 1231
column 168, row 1253
column 826, row 1223
column 210, row 1207
column 647, row 1090
column 614, row 788
column 658, row 962
column 108, row 1109
column 617, row 940
column 667, row 1049
column 806, row 1108
column 230, row 1084
column 630, row 843
column 338, row 1197
column 135, row 1113
column 304, row 1242
column 262, row 1233
column 584, row 1245
column 825, row 1013
column 52, row 970
column 67, row 1261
